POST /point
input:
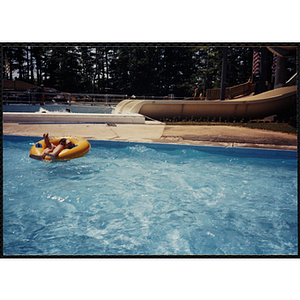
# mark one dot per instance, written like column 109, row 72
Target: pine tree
column 140, row 70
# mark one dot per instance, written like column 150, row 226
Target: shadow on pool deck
column 156, row 132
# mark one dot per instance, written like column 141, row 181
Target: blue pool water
column 149, row 199
column 58, row 108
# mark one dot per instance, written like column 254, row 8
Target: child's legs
column 37, row 156
column 50, row 152
column 47, row 151
column 47, row 141
column 41, row 156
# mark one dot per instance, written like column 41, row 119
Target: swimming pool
column 150, row 199
column 25, row 108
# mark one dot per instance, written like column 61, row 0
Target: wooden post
column 224, row 73
column 281, row 68
column 263, row 70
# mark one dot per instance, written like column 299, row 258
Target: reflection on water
column 137, row 199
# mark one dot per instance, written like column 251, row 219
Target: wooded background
column 139, row 70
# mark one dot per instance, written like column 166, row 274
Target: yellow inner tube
column 81, row 148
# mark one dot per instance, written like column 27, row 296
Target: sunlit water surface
column 138, row 199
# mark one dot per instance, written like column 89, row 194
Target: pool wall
column 229, row 151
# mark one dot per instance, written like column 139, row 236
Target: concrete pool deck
column 156, row 132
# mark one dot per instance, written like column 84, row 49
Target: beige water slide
column 261, row 105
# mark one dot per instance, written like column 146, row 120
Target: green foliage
column 139, row 70
column 271, row 126
column 239, row 65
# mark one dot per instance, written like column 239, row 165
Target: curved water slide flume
column 261, row 105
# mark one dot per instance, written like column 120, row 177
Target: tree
column 63, row 69
column 8, row 51
column 87, row 68
column 120, row 71
column 140, row 70
column 239, row 65
column 16, row 57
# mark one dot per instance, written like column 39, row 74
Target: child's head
column 63, row 141
column 66, row 143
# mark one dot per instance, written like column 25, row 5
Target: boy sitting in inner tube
column 51, row 149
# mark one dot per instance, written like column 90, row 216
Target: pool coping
column 70, row 118
column 157, row 132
